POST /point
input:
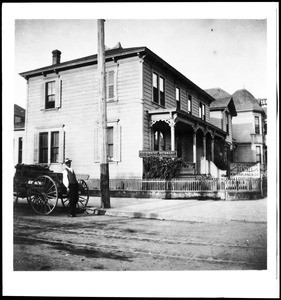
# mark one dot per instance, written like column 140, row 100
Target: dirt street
column 94, row 242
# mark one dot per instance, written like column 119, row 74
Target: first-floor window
column 48, row 147
column 258, row 154
column 43, row 147
column 110, row 144
column 20, row 151
column 159, row 141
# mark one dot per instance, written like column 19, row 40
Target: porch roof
column 172, row 114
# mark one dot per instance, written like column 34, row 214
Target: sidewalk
column 209, row 211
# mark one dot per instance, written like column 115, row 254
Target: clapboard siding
column 79, row 113
column 170, row 99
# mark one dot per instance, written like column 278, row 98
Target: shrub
column 162, row 168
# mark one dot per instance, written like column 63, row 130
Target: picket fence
column 194, row 185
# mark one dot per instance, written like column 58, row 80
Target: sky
column 230, row 54
column 226, row 45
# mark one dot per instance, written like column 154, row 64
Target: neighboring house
column 19, row 133
column 222, row 110
column 249, row 128
column 150, row 106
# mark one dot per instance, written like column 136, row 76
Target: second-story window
column 178, row 100
column 189, row 99
column 158, row 89
column 258, row 154
column 257, row 125
column 202, row 111
column 227, row 122
column 111, row 82
column 50, row 94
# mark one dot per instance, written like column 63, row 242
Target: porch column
column 212, row 148
column 204, row 152
column 194, row 147
column 172, row 125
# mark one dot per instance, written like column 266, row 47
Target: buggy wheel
column 83, row 197
column 43, row 195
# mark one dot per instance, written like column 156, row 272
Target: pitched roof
column 220, row 104
column 116, row 53
column 217, row 93
column 19, row 111
column 245, row 101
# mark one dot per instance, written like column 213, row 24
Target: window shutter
column 96, row 144
column 36, row 148
column 58, row 93
column 43, row 96
column 61, row 145
column 117, row 143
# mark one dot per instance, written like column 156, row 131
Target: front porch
column 193, row 139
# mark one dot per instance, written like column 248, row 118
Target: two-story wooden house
column 150, row 106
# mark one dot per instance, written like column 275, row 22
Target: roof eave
column 81, row 62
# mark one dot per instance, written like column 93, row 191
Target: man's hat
column 67, row 160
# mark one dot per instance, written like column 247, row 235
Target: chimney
column 56, row 57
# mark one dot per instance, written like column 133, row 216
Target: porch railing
column 194, row 185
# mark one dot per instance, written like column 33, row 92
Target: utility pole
column 104, row 170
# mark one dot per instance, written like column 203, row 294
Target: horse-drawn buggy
column 43, row 188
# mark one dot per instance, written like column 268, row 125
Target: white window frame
column 57, row 81
column 49, row 130
column 116, row 141
column 115, row 70
column 159, row 89
column 178, row 97
column 260, row 129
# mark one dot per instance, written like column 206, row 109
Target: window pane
column 200, row 110
column 110, row 135
column 110, row 143
column 51, row 88
column 258, row 153
column 156, row 141
column 177, row 94
column 161, row 83
column 155, row 95
column 43, row 147
column 155, row 80
column 189, row 105
column 55, row 139
column 257, row 125
column 161, row 141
